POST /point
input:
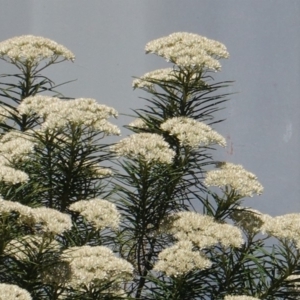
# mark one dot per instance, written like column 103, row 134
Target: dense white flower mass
column 192, row 133
column 160, row 75
column 95, row 265
column 240, row 297
column 188, row 50
column 57, row 113
column 25, row 212
column 30, row 245
column 31, row 50
column 99, row 212
column 146, row 146
column 51, row 221
column 180, row 259
column 284, row 227
column 16, row 145
column 10, row 175
column 138, row 123
column 203, row 231
column 13, row 292
column 244, row 183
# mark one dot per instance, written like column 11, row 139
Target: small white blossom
column 95, row 265
column 31, row 50
column 51, row 221
column 192, row 133
column 284, row 227
column 244, row 183
column 58, row 113
column 180, row 259
column 203, row 231
column 240, row 297
column 13, row 292
column 188, row 50
column 28, row 245
column 146, row 146
column 99, row 212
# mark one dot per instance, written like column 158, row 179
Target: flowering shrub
column 82, row 219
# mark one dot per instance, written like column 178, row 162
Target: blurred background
column 262, row 124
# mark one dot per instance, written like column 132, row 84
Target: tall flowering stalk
column 167, row 223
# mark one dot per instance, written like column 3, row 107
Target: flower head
column 94, row 265
column 146, row 146
column 240, row 297
column 203, row 231
column 99, row 212
column 188, row 50
column 31, row 50
column 51, row 221
column 284, row 227
column 180, row 259
column 192, row 133
column 13, row 292
column 244, row 183
column 58, row 113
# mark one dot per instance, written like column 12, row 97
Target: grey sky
column 262, row 37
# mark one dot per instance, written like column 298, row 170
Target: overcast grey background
column 262, row 36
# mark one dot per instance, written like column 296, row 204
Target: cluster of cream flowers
column 193, row 229
column 192, row 133
column 160, row 75
column 28, row 245
column 203, row 231
column 249, row 219
column 31, row 50
column 149, row 147
column 138, row 123
column 181, row 259
column 100, row 213
column 46, row 220
column 284, row 227
column 240, row 297
column 188, row 50
column 244, row 183
column 57, row 113
column 16, row 145
column 13, row 292
column 93, row 265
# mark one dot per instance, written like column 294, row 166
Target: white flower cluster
column 51, row 221
column 249, row 219
column 138, row 123
column 31, row 50
column 99, row 212
column 180, row 259
column 46, row 220
column 10, row 175
column 203, row 231
column 13, row 292
column 57, row 113
column 244, row 183
column 240, row 297
column 94, row 265
column 284, row 227
column 28, row 245
column 160, row 75
column 16, row 145
column 188, row 50
column 192, row 133
column 148, row 147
